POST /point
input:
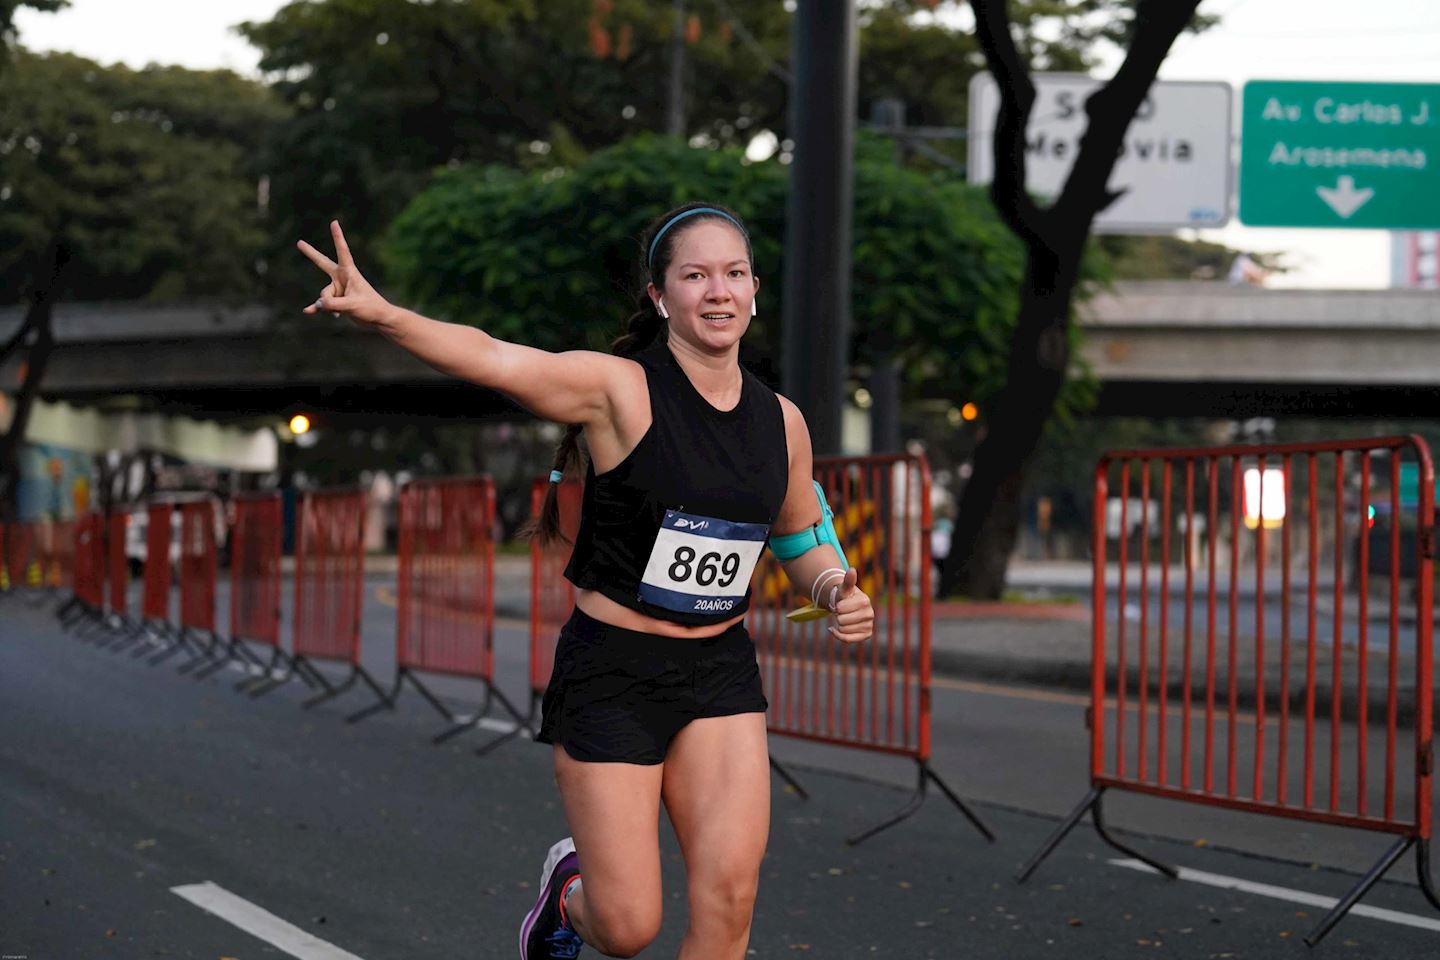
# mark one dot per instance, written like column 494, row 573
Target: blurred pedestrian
column 693, row 463
column 1245, row 269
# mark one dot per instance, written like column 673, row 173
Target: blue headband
column 650, row 258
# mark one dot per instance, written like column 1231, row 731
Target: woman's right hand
column 348, row 293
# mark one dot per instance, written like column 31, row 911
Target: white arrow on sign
column 1343, row 198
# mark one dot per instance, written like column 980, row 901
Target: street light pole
column 816, row 336
column 675, row 115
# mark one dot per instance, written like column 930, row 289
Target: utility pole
column 886, row 114
column 675, row 116
column 816, row 336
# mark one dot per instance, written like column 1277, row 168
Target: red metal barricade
column 21, row 558
column 446, row 604
column 198, row 566
column 89, row 562
column 18, row 557
column 875, row 695
column 329, row 587
column 446, row 616
column 552, row 597
column 117, row 564
column 155, row 601
column 58, row 542
column 1295, row 708
column 256, row 545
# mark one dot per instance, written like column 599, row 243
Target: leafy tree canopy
column 7, row 19
column 146, row 176
column 549, row 258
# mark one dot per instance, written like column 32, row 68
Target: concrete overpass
column 1184, row 348
column 1162, row 348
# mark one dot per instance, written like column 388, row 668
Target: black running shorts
column 621, row 696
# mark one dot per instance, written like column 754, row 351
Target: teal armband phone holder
column 791, row 545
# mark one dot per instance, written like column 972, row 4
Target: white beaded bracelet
column 825, row 578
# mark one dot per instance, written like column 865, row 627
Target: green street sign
column 1359, row 155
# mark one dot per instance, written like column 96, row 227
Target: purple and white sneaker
column 544, row 935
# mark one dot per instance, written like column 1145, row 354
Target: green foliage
column 7, row 20
column 385, row 91
column 147, row 176
column 548, row 258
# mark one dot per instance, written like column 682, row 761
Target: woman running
column 693, row 465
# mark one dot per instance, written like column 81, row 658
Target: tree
column 1054, row 238
column 385, row 92
column 547, row 258
column 7, row 20
column 120, row 184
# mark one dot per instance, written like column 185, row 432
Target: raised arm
column 854, row 618
column 573, row 387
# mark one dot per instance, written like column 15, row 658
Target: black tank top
column 674, row 530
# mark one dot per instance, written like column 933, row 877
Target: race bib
column 700, row 564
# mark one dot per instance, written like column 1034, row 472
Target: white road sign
column 1175, row 166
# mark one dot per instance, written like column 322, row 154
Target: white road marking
column 1285, row 893
column 260, row 923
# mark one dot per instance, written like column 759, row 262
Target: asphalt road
column 121, row 784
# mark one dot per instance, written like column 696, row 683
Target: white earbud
column 660, row 305
column 753, row 311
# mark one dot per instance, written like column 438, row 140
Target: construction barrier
column 255, row 581
column 445, row 610
column 199, row 567
column 90, row 560
column 552, row 597
column 58, row 540
column 329, row 590
column 155, row 598
column 21, row 559
column 117, row 563
column 874, row 695
column 1196, row 536
column 84, row 606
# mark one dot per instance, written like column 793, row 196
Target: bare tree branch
column 14, row 342
column 1112, row 108
column 1017, row 99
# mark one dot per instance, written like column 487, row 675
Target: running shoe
column 544, row 935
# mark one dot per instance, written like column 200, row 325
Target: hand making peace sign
column 348, row 292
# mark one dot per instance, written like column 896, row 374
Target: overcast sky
column 1257, row 39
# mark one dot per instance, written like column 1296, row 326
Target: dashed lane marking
column 260, row 923
column 1285, row 893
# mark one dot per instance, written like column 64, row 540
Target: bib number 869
column 711, row 566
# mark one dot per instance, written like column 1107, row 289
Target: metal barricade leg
column 265, row 672
column 1337, row 912
column 926, row 774
column 297, row 667
column 235, row 649
column 1422, row 867
column 790, row 781
column 520, row 725
column 1092, row 804
column 357, row 672
column 1098, row 818
column 206, row 653
column 387, row 701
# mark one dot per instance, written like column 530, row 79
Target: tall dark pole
column 886, row 114
column 816, row 339
column 675, row 114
